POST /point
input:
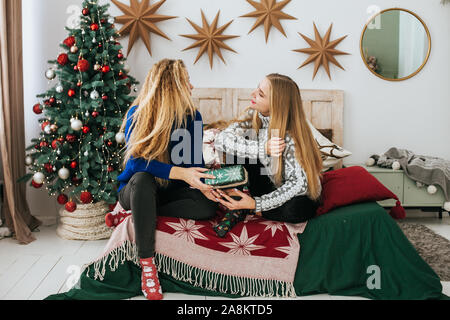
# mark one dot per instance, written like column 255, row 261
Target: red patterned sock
column 149, row 280
column 113, row 220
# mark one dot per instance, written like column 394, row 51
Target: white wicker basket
column 85, row 223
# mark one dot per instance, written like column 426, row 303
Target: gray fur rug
column 433, row 248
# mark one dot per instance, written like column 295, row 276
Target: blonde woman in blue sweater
column 161, row 178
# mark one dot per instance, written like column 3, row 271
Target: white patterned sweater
column 233, row 141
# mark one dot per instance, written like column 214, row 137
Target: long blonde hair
column 287, row 116
column 164, row 102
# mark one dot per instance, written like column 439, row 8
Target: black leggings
column 147, row 200
column 298, row 209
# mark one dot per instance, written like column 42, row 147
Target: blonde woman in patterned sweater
column 285, row 162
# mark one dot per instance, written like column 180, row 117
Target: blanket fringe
column 197, row 277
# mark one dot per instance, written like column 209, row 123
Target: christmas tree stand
column 87, row 222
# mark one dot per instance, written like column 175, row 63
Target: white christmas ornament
column 47, row 129
column 50, row 74
column 60, row 89
column 120, row 137
column 63, row 173
column 28, row 160
column 38, row 177
column 76, row 125
column 396, row 165
column 95, row 95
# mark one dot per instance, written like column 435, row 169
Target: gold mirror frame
column 429, row 44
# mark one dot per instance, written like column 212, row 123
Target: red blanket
column 257, row 257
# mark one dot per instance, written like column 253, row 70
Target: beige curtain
column 12, row 136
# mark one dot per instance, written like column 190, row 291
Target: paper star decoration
column 210, row 38
column 322, row 51
column 268, row 12
column 139, row 20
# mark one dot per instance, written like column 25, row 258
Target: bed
column 354, row 250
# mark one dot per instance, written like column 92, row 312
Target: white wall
column 412, row 114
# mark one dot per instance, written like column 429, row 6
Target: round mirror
column 395, row 44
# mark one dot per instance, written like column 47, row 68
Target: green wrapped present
column 228, row 177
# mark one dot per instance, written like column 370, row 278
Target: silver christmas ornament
column 38, row 177
column 95, row 95
column 63, row 173
column 86, row 154
column 74, row 49
column 76, row 125
column 111, row 20
column 50, row 74
column 47, row 129
column 120, row 137
column 60, row 89
column 28, row 160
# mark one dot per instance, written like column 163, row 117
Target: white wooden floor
column 49, row 265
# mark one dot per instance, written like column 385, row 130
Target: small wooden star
column 139, row 20
column 322, row 51
column 210, row 38
column 268, row 12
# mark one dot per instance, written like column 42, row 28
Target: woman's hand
column 209, row 195
column 275, row 147
column 224, row 198
column 192, row 176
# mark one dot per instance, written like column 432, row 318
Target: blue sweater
column 160, row 169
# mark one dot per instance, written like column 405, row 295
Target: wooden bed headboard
column 324, row 108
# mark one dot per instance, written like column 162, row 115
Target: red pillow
column 354, row 185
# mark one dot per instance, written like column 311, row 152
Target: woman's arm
column 232, row 141
column 296, row 184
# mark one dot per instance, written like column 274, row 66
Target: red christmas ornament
column 106, row 69
column 83, row 65
column 104, row 97
column 63, row 59
column 86, row 129
column 60, row 140
column 95, row 114
column 71, row 93
column 76, row 181
column 36, row 185
column 55, row 144
column 85, row 12
column 73, row 164
column 75, row 68
column 71, row 206
column 48, row 167
column 37, row 108
column 120, row 56
column 94, row 27
column 51, row 100
column 43, row 144
column 71, row 138
column 62, row 199
column 44, row 124
column 109, row 143
column 100, row 45
column 86, row 197
column 110, row 169
column 70, row 41
column 79, row 84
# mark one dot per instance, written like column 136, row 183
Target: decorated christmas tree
column 77, row 156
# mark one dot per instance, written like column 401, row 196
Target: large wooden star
column 209, row 39
column 322, row 51
column 268, row 12
column 139, row 20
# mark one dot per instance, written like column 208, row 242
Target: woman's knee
column 144, row 181
column 298, row 210
column 206, row 209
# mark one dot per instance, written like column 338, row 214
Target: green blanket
column 357, row 250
